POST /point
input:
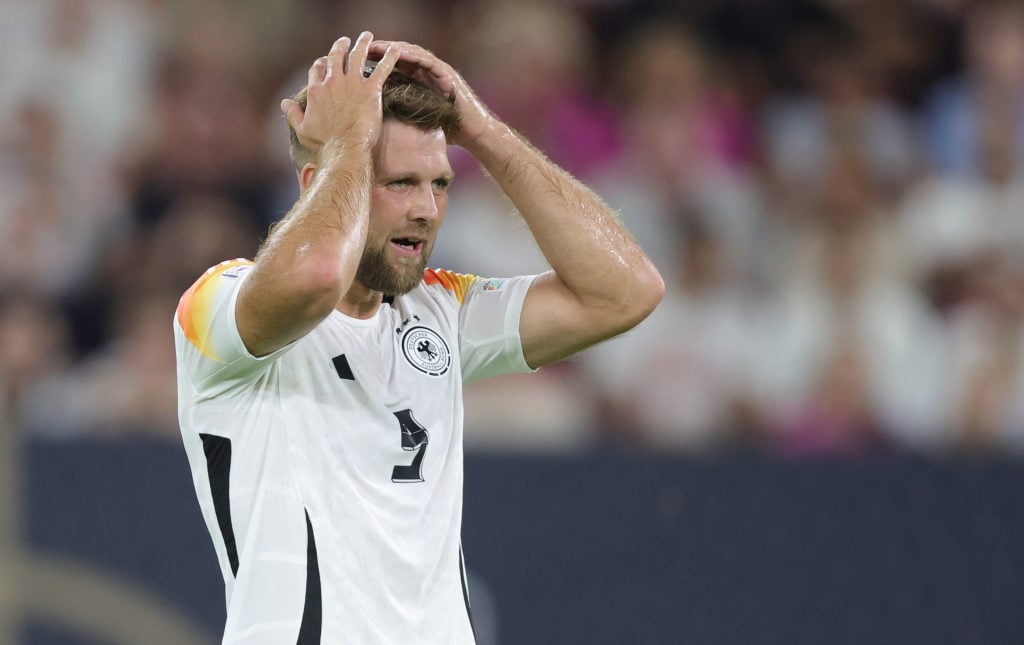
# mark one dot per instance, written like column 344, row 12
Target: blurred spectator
column 544, row 55
column 52, row 213
column 90, row 61
column 990, row 89
column 986, row 344
column 191, row 145
column 840, row 105
column 406, row 20
column 837, row 416
column 74, row 88
column 42, row 248
column 201, row 230
column 33, row 347
column 128, row 386
column 964, row 235
column 550, row 411
column 909, row 44
column 847, row 345
column 678, row 381
column 196, row 179
column 950, row 220
column 687, row 147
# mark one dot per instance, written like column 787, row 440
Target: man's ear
column 306, row 176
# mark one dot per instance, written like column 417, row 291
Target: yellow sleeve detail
column 196, row 306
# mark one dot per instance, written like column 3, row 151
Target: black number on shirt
column 414, row 437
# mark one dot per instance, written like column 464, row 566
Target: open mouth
column 407, row 245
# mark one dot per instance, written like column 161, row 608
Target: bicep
column 556, row 324
column 265, row 322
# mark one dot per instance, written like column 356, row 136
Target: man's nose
column 424, row 204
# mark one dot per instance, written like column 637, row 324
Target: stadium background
column 817, row 437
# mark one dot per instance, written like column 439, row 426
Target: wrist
column 340, row 147
column 488, row 138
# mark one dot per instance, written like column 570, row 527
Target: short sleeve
column 206, row 332
column 489, row 327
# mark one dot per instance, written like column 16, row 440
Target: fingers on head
column 379, row 46
column 363, row 42
column 336, row 58
column 360, row 49
column 317, row 71
column 387, row 62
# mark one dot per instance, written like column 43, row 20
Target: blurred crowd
column 832, row 189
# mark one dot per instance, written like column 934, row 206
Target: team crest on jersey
column 426, row 351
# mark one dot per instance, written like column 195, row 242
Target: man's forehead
column 400, row 144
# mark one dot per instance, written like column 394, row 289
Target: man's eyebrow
column 395, row 176
column 412, row 175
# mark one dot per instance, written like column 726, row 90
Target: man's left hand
column 421, row 64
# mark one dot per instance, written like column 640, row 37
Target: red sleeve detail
column 457, row 283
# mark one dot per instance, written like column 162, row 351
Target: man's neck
column 360, row 302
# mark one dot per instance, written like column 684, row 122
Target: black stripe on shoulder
column 312, row 611
column 218, row 467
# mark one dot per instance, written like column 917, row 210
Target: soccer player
column 320, row 386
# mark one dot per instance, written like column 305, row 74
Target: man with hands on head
column 320, row 385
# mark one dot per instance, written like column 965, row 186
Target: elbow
column 654, row 289
column 319, row 286
column 630, row 306
column 648, row 290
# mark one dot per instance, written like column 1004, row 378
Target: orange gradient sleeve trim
column 196, row 306
column 457, row 283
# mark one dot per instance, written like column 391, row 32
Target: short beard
column 375, row 273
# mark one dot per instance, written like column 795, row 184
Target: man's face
column 407, row 206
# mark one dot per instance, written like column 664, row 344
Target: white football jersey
column 329, row 473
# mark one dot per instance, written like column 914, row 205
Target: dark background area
column 614, row 548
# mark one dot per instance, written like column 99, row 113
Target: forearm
column 309, row 260
column 587, row 247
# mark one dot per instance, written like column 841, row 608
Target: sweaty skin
column 601, row 283
column 350, row 238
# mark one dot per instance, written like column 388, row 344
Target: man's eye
column 440, row 184
column 398, row 183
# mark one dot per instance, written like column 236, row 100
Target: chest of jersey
column 384, row 394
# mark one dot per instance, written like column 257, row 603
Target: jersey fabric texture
column 329, row 473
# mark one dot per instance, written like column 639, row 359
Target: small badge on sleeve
column 494, row 284
column 237, row 271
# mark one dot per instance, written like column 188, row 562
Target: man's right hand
column 340, row 100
